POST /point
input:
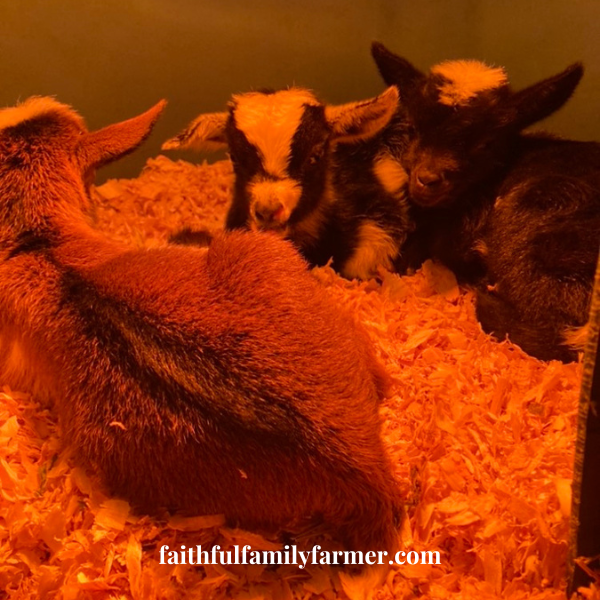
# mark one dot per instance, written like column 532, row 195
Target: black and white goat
column 516, row 215
column 311, row 173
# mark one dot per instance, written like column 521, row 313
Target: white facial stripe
column 269, row 195
column 269, row 122
column 34, row 107
column 466, row 79
column 375, row 248
column 390, row 174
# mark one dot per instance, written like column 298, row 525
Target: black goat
column 515, row 215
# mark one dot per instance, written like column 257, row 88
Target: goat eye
column 406, row 128
column 315, row 157
column 484, row 145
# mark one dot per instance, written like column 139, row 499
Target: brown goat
column 204, row 381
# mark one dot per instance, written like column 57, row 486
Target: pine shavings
column 166, row 197
column 481, row 438
column 113, row 514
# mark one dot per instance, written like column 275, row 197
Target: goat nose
column 268, row 213
column 428, row 179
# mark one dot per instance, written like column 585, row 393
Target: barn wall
column 111, row 59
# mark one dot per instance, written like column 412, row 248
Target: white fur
column 465, row 79
column 390, row 173
column 34, row 107
column 268, row 193
column 375, row 249
column 269, row 122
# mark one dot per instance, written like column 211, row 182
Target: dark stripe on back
column 28, row 242
column 210, row 391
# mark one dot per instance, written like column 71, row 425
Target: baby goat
column 517, row 215
column 307, row 171
column 207, row 381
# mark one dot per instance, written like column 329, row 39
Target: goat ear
column 359, row 120
column 393, row 69
column 541, row 99
column 103, row 146
column 206, row 132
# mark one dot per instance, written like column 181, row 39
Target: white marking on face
column 390, row 173
column 269, row 122
column 375, row 249
column 465, row 79
column 34, row 107
column 272, row 202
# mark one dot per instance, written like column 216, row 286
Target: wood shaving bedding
column 481, row 436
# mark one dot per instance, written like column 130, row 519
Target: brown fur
column 205, row 381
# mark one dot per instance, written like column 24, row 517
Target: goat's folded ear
column 103, row 146
column 206, row 132
column 543, row 98
column 394, row 69
column 360, row 120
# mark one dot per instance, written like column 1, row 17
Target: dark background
column 112, row 59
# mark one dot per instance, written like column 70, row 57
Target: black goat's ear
column 393, row 69
column 540, row 100
column 361, row 120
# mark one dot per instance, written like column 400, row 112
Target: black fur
column 354, row 196
column 516, row 216
column 191, row 237
column 30, row 241
column 363, row 194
